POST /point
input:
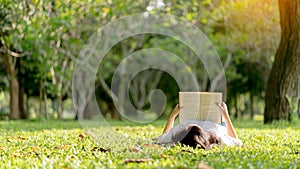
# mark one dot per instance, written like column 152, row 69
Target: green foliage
column 49, row 144
column 50, row 34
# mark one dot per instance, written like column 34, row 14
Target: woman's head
column 196, row 137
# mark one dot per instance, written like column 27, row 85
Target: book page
column 189, row 103
column 208, row 109
column 199, row 106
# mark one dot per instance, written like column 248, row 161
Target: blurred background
column 40, row 41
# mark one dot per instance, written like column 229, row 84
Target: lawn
column 65, row 144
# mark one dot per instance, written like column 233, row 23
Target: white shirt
column 219, row 130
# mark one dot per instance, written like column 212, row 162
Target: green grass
column 65, row 144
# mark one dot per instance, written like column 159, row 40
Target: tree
column 8, row 24
column 286, row 66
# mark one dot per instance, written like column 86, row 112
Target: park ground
column 71, row 144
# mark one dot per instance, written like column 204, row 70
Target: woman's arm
column 171, row 119
column 230, row 129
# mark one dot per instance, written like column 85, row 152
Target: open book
column 199, row 106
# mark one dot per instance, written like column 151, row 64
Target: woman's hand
column 229, row 126
column 223, row 109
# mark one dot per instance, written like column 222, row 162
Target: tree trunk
column 87, row 114
column 40, row 114
column 112, row 110
column 121, row 96
column 286, row 66
column 23, row 114
column 236, row 115
column 13, row 85
column 59, row 107
column 14, row 98
column 54, row 107
column 298, row 96
column 251, row 106
column 27, row 105
column 298, row 108
column 45, row 105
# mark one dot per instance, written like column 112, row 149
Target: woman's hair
column 196, row 137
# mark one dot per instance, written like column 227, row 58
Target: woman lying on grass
column 202, row 134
